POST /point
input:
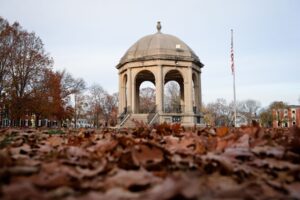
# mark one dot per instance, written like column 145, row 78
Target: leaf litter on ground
column 160, row 162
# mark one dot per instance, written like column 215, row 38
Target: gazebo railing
column 174, row 109
column 124, row 116
column 152, row 114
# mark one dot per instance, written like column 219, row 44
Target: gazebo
column 160, row 58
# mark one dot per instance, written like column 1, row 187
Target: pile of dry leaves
column 161, row 162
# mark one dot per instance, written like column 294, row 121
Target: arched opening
column 172, row 97
column 147, row 97
column 145, row 92
column 174, row 92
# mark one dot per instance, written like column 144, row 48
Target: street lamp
column 2, row 106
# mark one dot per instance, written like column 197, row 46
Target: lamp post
column 75, row 108
column 3, row 109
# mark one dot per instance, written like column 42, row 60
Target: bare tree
column 80, row 108
column 218, row 112
column 147, row 99
column 110, row 109
column 172, row 96
column 102, row 106
column 5, row 49
column 70, row 85
column 97, row 100
column 249, row 109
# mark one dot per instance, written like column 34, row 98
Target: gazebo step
column 130, row 122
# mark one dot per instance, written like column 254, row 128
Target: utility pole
column 233, row 74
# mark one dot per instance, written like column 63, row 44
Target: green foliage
column 54, row 132
column 266, row 118
column 278, row 105
column 6, row 141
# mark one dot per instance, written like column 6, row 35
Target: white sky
column 88, row 38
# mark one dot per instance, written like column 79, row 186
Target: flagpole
column 233, row 75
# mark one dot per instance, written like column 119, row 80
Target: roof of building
column 159, row 46
column 294, row 106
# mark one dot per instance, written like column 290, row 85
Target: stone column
column 197, row 91
column 188, row 89
column 182, row 102
column 136, row 97
column 129, row 90
column 200, row 91
column 134, row 93
column 121, row 100
column 159, row 85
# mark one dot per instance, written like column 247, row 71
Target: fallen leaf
column 132, row 180
column 222, row 131
column 22, row 191
column 147, row 155
column 55, row 141
column 276, row 152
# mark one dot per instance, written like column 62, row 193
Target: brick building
column 286, row 117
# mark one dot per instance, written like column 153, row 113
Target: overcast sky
column 88, row 38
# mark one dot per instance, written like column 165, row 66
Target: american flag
column 231, row 54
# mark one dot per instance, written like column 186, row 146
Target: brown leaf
column 90, row 172
column 225, row 164
column 53, row 175
column 55, row 141
column 147, row 154
column 5, row 158
column 293, row 189
column 132, row 180
column 240, row 148
column 222, row 131
column 21, row 190
column 276, row 152
column 76, row 152
column 103, row 146
column 111, row 194
column 23, row 170
column 126, row 161
column 60, row 192
column 275, row 164
column 185, row 145
column 21, row 151
column 174, row 187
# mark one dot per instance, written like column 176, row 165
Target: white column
column 135, row 96
column 129, row 90
column 182, row 102
column 188, row 96
column 197, row 91
column 159, row 85
column 200, row 91
column 121, row 96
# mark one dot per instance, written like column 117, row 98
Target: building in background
column 286, row 117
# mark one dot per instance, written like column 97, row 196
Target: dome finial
column 158, row 26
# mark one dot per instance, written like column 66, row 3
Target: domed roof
column 159, row 46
